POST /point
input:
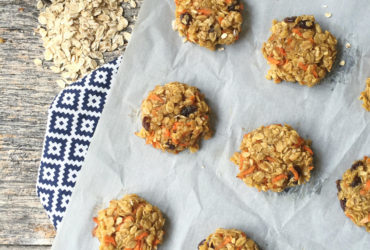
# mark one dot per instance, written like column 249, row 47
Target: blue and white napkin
column 72, row 119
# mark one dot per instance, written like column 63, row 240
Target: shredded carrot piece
column 311, row 40
column 299, row 143
column 219, row 19
column 310, row 168
column 295, row 173
column 302, row 66
column 246, row 172
column 241, row 6
column 224, row 243
column 154, row 97
column 126, row 248
column 282, row 51
column 273, row 60
column 156, row 242
column 289, row 41
column 110, row 240
column 366, row 188
column 308, row 149
column 141, row 236
column 95, row 219
column 205, row 11
column 94, row 231
column 315, row 73
column 296, row 31
column 167, row 133
column 241, row 161
column 349, row 216
column 174, row 127
column 228, row 1
column 138, row 245
column 279, row 177
column 367, row 185
column 192, row 98
column 270, row 159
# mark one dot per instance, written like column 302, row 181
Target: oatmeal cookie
column 175, row 117
column 129, row 223
column 274, row 158
column 224, row 239
column 365, row 96
column 299, row 51
column 209, row 22
column 354, row 193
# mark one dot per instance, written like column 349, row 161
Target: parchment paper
column 199, row 192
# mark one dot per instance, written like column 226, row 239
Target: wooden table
column 26, row 91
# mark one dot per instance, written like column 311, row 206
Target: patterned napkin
column 72, row 119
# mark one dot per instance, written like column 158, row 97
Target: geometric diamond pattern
column 72, row 120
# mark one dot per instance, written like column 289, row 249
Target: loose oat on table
column 365, row 96
column 354, row 193
column 274, row 158
column 76, row 33
column 299, row 51
column 227, row 239
column 175, row 117
column 129, row 223
column 209, row 22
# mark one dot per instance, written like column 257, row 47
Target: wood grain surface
column 26, row 92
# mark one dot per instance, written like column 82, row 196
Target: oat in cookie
column 274, row 158
column 129, row 223
column 354, row 193
column 175, row 117
column 224, row 239
column 299, row 51
column 209, row 22
column 365, row 96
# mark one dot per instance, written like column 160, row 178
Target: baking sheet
column 199, row 192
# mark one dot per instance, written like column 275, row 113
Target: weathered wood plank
column 18, row 247
column 26, row 92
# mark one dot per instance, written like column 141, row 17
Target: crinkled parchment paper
column 199, row 192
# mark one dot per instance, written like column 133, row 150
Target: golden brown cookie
column 209, row 22
column 354, row 193
column 175, row 117
column 129, row 223
column 225, row 239
column 274, row 158
column 365, row 96
column 299, row 51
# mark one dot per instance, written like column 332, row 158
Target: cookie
column 175, row 117
column 365, row 96
column 274, row 158
column 354, row 193
column 224, row 239
column 299, row 51
column 129, row 223
column 209, row 22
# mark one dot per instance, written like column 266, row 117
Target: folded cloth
column 72, row 119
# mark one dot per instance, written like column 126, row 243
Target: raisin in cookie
column 129, row 223
column 299, row 51
column 224, row 239
column 175, row 117
column 354, row 193
column 365, row 96
column 209, row 22
column 274, row 158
